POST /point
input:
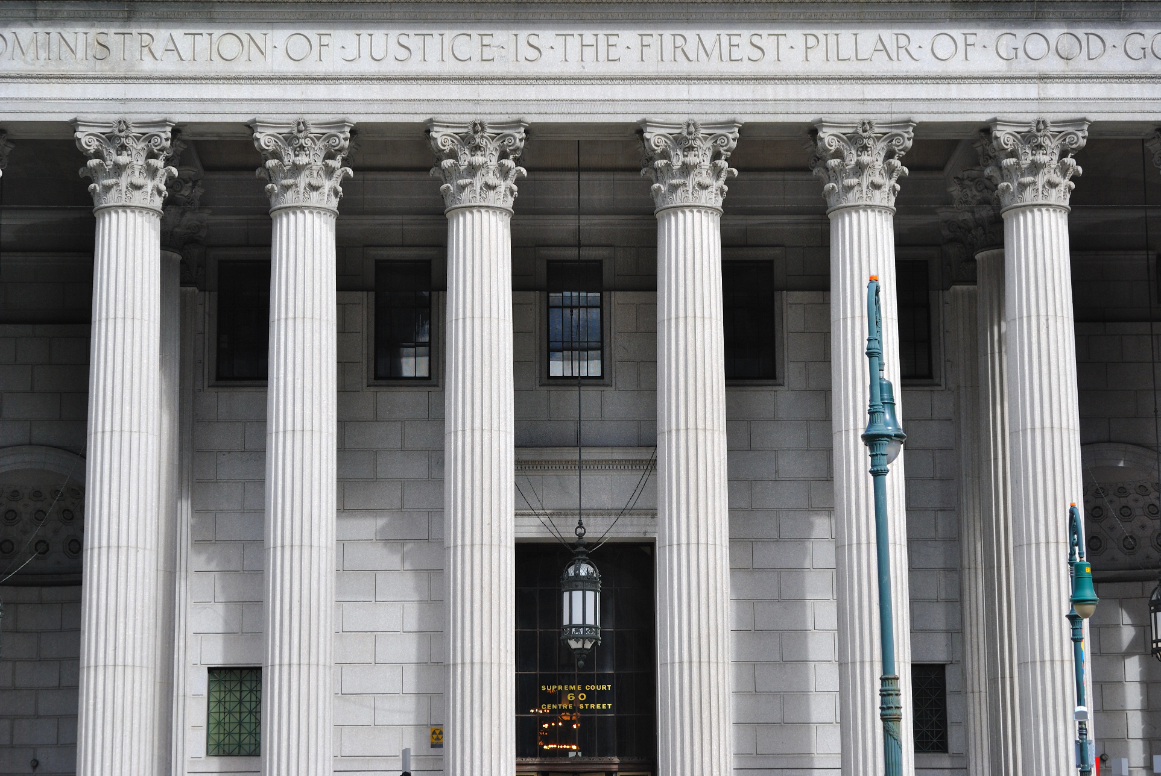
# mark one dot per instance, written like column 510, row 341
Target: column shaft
column 863, row 244
column 117, row 718
column 693, row 592
column 996, row 518
column 479, row 482
column 964, row 360
column 169, row 452
column 1044, row 437
column 301, row 480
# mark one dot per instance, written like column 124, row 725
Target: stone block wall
column 39, row 658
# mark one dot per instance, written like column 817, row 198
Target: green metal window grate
column 234, row 726
column 929, row 696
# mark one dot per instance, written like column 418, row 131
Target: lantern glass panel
column 1155, row 622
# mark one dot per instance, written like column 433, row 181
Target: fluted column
column 304, row 173
column 990, row 687
column 117, row 705
column 860, row 167
column 181, row 223
column 688, row 164
column 477, row 165
column 1033, row 170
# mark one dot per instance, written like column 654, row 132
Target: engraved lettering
column 455, row 39
column 564, row 38
column 145, row 43
column 756, row 43
column 1153, row 46
column 709, row 52
column 1089, row 38
column 1141, row 50
column 171, row 48
column 903, row 45
column 644, row 41
column 299, row 49
column 680, row 46
column 1068, row 46
column 401, row 42
column 612, row 42
column 371, row 47
column 969, row 43
column 1042, row 47
column 533, row 41
column 584, row 45
column 857, row 57
column 1009, row 52
column 62, row 43
column 944, row 46
column 124, row 36
column 358, row 48
column 233, row 47
column 423, row 36
column 486, row 47
column 97, row 41
column 252, row 44
column 881, row 46
column 18, row 44
column 810, row 42
column 778, row 38
column 734, row 47
column 324, row 41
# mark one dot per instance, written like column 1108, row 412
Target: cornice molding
column 688, row 162
column 128, row 163
column 304, row 162
column 477, row 162
column 1033, row 161
column 860, row 164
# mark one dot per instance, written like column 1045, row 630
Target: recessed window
column 234, row 724
column 402, row 320
column 243, row 319
column 574, row 319
column 748, row 317
column 914, row 319
column 929, row 698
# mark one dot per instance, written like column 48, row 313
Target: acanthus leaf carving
column 688, row 162
column 477, row 162
column 182, row 221
column 860, row 164
column 5, row 149
column 975, row 203
column 128, row 163
column 304, row 162
column 1034, row 164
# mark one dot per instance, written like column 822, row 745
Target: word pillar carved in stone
column 1032, row 170
column 477, row 163
column 304, row 172
column 993, row 712
column 689, row 166
column 860, row 167
column 117, row 720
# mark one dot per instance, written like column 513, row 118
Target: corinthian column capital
column 1034, row 161
column 860, row 163
column 128, row 162
column 976, row 204
column 689, row 162
column 477, row 162
column 304, row 162
column 182, row 221
column 5, row 148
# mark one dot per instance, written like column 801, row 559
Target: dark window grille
column 402, row 320
column 929, row 701
column 574, row 319
column 748, row 315
column 243, row 319
column 234, row 724
column 618, row 719
column 914, row 296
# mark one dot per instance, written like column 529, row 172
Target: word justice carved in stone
column 435, row 51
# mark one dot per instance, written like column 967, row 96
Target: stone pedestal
column 477, row 164
column 688, row 164
column 1033, row 172
column 116, row 727
column 860, row 168
column 304, row 172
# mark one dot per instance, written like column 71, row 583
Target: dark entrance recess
column 600, row 720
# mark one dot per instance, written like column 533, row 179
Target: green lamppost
column 884, row 439
column 1083, row 600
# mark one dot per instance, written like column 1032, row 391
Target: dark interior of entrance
column 600, row 719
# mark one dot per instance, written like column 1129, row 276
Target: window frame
column 545, row 256
column 434, row 344
column 935, row 297
column 210, row 710
column 772, row 257
column 214, row 259
column 946, row 711
column 438, row 258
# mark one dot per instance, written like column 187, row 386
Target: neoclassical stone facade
column 276, row 453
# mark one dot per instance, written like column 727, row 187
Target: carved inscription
column 445, row 50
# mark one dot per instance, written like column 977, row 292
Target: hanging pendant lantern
column 580, row 589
